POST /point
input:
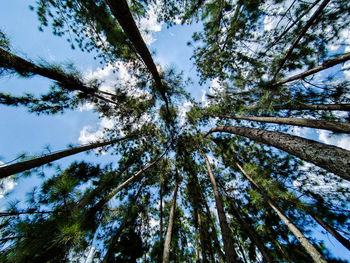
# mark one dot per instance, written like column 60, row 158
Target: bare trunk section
column 301, row 34
column 329, row 157
column 26, row 165
column 161, row 211
column 68, row 81
column 230, row 253
column 126, row 221
column 310, row 249
column 116, row 190
column 121, row 12
column 331, row 107
column 331, row 230
column 325, row 65
column 85, row 201
column 214, row 236
column 166, row 251
column 252, row 234
column 335, row 126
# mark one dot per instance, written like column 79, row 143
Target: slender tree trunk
column 231, row 255
column 116, row 190
column 282, row 250
column 126, row 222
column 335, row 126
column 68, row 81
column 161, row 212
column 87, row 199
column 325, row 65
column 331, row 230
column 329, row 157
column 214, row 235
column 166, row 251
column 310, row 249
column 301, row 34
column 121, row 12
column 11, row 169
column 254, row 237
column 331, row 107
column 294, row 23
column 29, row 212
column 197, row 251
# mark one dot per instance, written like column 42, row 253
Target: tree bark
column 335, row 126
column 166, row 251
column 332, row 107
column 329, row 157
column 252, row 234
column 230, row 253
column 301, row 34
column 310, row 249
column 121, row 12
column 68, row 81
column 126, row 221
column 161, row 211
column 331, row 230
column 325, row 65
column 11, row 169
column 85, row 201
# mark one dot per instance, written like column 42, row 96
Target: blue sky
column 22, row 132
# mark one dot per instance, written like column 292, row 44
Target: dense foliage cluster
column 224, row 181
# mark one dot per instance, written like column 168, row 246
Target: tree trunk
column 11, row 169
column 325, row 65
column 214, row 235
column 342, row 127
column 161, row 212
column 310, row 249
column 329, row 157
column 301, row 34
column 331, row 107
column 68, row 81
column 166, row 251
column 331, row 230
column 121, row 12
column 230, row 253
column 252, row 234
column 126, row 221
column 87, row 199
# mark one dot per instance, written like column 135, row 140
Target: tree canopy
column 229, row 178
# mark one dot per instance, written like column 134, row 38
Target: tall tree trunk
column 301, row 34
column 231, row 255
column 88, row 198
column 203, row 237
column 329, row 157
column 121, row 12
column 68, row 81
column 254, row 237
column 166, row 251
column 161, row 212
column 11, row 169
column 126, row 222
column 335, row 126
column 116, row 190
column 331, row 230
column 214, row 235
column 325, row 65
column 310, row 249
column 331, row 107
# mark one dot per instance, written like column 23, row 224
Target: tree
column 261, row 58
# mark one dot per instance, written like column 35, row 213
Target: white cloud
column 149, row 24
column 6, row 184
column 341, row 141
column 183, row 110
